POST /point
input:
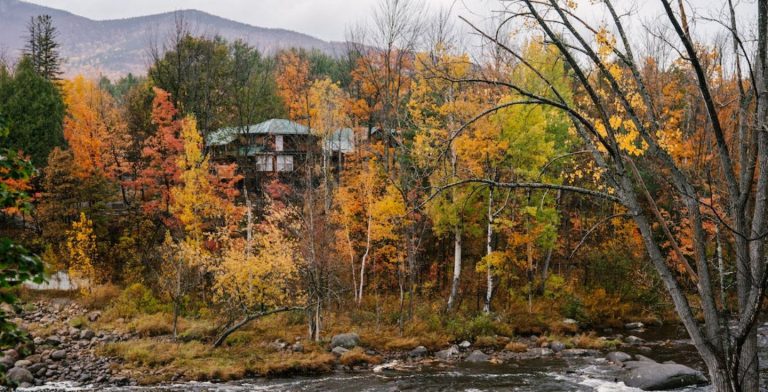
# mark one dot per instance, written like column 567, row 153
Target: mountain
column 116, row 47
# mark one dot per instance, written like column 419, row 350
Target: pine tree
column 42, row 47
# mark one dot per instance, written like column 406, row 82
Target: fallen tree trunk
column 249, row 318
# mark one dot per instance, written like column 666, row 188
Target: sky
column 325, row 19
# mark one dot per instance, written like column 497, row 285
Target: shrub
column 134, row 300
column 78, row 322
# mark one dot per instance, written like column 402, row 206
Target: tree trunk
column 456, row 267
column 488, row 251
column 363, row 261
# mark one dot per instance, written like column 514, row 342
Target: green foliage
column 17, row 264
column 34, row 111
column 135, row 300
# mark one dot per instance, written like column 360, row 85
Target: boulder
column 465, row 345
column 346, row 340
column 448, row 354
column 557, row 346
column 11, row 353
column 657, row 376
column 477, row 356
column 7, row 362
column 418, row 352
column 19, row 375
column 631, row 339
column 570, row 321
column 618, row 357
column 635, row 325
column 339, row 351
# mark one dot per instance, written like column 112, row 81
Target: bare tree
column 613, row 83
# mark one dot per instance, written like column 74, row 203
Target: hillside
column 116, row 47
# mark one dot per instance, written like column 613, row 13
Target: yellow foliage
column 81, row 250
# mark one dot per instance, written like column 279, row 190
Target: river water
column 548, row 374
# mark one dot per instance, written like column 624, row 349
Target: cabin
column 276, row 146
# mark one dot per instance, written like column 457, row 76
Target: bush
column 134, row 300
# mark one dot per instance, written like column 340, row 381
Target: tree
column 81, row 250
column 259, row 276
column 42, row 47
column 161, row 152
column 94, row 130
column 620, row 122
column 34, row 110
column 17, row 264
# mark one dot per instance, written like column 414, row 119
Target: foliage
column 81, row 249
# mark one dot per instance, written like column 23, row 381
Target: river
column 547, row 374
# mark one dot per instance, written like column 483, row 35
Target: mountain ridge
column 115, row 47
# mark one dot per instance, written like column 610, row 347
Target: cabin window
column 284, row 163
column 278, row 142
column 264, row 163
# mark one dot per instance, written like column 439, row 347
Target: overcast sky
column 330, row 19
column 325, row 19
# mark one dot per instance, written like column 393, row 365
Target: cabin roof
column 275, row 126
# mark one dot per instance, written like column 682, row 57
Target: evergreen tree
column 34, row 110
column 42, row 47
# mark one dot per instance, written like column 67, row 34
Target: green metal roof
column 275, row 126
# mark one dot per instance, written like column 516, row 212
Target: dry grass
column 149, row 325
column 491, row 341
column 516, row 347
column 357, row 356
column 402, row 344
column 197, row 361
column 100, row 296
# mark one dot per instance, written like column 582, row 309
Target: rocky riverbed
column 64, row 356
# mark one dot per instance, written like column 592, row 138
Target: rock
column 557, row 346
column 58, row 355
column 643, row 358
column 11, row 353
column 87, row 334
column 645, row 349
column 93, row 316
column 386, row 366
column 53, row 340
column 448, row 354
column 657, row 376
column 631, row 339
column 346, row 340
column 618, row 357
column 34, row 358
column 23, row 363
column 7, row 362
column 635, row 325
column 570, row 321
column 19, row 375
column 297, row 347
column 278, row 345
column 36, row 368
column 418, row 352
column 477, row 356
column 339, row 351
column 465, row 345
column 38, row 341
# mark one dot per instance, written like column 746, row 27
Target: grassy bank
column 268, row 346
